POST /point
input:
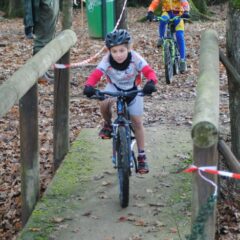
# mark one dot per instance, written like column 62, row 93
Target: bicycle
column 170, row 51
column 123, row 141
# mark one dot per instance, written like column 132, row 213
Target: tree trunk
column 233, row 48
column 123, row 21
column 15, row 8
column 201, row 5
column 67, row 14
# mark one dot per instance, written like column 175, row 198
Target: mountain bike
column 170, row 51
column 123, row 141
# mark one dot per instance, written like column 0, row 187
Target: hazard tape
column 74, row 65
column 212, row 170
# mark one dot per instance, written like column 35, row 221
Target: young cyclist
column 170, row 9
column 122, row 68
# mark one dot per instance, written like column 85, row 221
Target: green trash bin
column 100, row 17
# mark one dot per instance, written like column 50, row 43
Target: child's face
column 119, row 53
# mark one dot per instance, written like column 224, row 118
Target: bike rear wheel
column 176, row 70
column 168, row 64
column 123, row 162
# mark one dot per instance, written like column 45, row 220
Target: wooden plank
column 24, row 78
column 28, row 107
column 229, row 158
column 230, row 68
column 202, row 189
column 206, row 110
column 61, row 112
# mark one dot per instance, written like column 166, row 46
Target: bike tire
column 168, row 64
column 123, row 162
column 176, row 65
column 176, row 70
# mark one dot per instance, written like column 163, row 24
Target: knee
column 137, row 124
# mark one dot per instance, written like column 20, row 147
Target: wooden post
column 205, row 125
column 28, row 107
column 22, row 88
column 61, row 112
column 61, row 97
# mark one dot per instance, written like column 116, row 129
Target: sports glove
column 150, row 16
column 149, row 88
column 89, row 91
column 186, row 14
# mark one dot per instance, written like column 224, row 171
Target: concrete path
column 82, row 202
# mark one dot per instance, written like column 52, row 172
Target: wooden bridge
column 69, row 204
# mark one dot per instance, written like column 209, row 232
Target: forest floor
column 169, row 106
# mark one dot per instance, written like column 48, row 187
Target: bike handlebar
column 102, row 95
column 158, row 18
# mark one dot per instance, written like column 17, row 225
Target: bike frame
column 170, row 39
column 123, row 120
column 123, row 141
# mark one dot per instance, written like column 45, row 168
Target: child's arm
column 94, row 77
column 92, row 80
column 149, row 74
column 185, row 5
column 153, row 6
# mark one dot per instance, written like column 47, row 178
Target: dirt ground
column 171, row 106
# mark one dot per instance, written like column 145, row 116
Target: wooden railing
column 22, row 88
column 205, row 128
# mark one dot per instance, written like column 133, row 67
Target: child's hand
column 89, row 91
column 149, row 88
column 150, row 16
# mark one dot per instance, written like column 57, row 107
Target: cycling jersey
column 178, row 6
column 122, row 79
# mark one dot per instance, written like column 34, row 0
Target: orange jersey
column 170, row 5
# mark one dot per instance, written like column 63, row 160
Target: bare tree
column 15, row 8
column 233, row 48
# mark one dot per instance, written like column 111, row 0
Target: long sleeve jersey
column 170, row 5
column 123, row 79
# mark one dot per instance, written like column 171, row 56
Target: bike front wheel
column 123, row 163
column 168, row 64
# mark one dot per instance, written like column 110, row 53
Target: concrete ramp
column 81, row 203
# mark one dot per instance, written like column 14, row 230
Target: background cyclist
column 170, row 9
column 122, row 67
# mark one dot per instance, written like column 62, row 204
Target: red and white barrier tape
column 213, row 170
column 209, row 169
column 72, row 65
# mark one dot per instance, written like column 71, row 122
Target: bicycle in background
column 170, row 50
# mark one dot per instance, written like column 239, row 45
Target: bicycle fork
column 132, row 141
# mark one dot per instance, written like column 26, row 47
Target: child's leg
column 106, row 105
column 106, row 110
column 179, row 26
column 139, row 131
column 162, row 24
column 139, row 134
